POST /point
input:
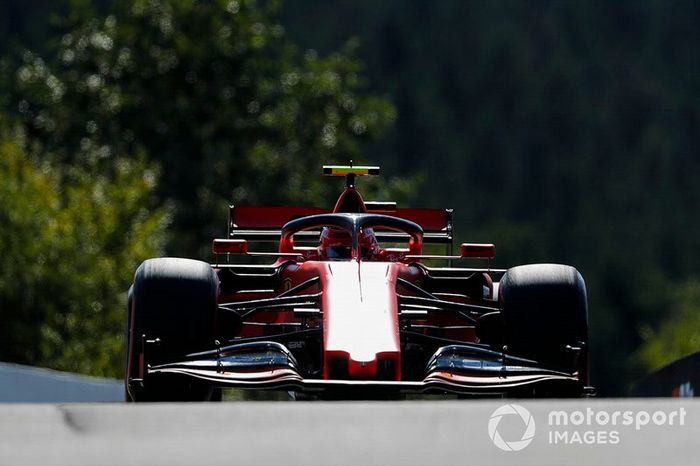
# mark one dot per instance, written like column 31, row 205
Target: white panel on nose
column 358, row 310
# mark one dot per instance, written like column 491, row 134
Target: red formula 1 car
column 349, row 310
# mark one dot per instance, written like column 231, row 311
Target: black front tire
column 545, row 309
column 175, row 301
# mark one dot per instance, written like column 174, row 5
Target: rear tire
column 174, row 300
column 544, row 309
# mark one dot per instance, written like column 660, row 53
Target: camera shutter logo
column 512, row 411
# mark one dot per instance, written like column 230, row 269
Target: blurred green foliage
column 212, row 91
column 678, row 336
column 70, row 239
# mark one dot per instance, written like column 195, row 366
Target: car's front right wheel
column 174, row 301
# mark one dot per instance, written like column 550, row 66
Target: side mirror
column 477, row 251
column 229, row 246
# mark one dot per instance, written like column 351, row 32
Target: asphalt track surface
column 454, row 432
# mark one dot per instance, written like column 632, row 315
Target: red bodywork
column 359, row 297
column 386, row 322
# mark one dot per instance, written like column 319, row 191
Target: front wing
column 459, row 369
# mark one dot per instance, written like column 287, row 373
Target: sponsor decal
column 684, row 390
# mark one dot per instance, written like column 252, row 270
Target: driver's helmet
column 336, row 243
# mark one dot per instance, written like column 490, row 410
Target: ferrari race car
column 349, row 309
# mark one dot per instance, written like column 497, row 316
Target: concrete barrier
column 24, row 384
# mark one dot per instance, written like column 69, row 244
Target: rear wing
column 265, row 223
